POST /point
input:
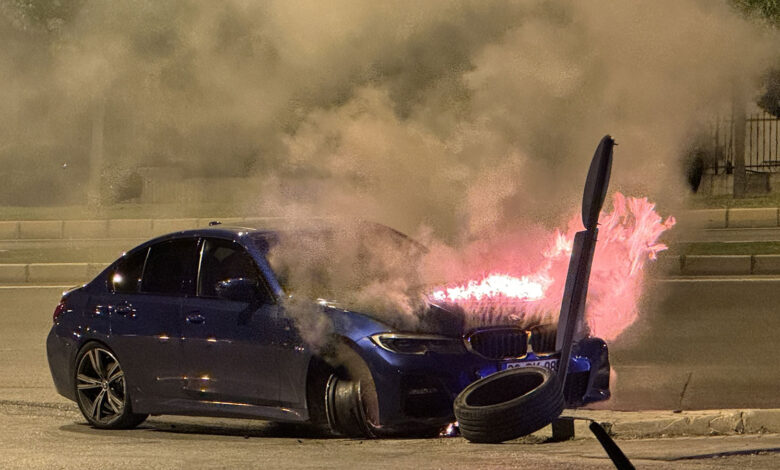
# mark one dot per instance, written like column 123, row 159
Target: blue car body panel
column 203, row 356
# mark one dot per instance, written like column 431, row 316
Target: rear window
column 126, row 277
column 171, row 268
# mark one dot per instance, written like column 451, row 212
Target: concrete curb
column 106, row 228
column 49, row 273
column 652, row 424
column 704, row 218
column 762, row 217
column 707, row 265
column 716, row 265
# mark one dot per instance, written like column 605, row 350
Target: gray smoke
column 469, row 122
column 461, row 116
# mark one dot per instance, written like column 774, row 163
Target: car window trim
column 202, row 245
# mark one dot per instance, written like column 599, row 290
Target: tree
column 765, row 10
column 43, row 14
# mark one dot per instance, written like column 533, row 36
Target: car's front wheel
column 101, row 389
column 345, row 407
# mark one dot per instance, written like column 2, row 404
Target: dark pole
column 613, row 451
column 576, row 289
column 738, row 119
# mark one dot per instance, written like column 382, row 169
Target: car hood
column 356, row 325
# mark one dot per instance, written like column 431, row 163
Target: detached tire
column 509, row 404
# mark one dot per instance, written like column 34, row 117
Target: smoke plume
column 469, row 124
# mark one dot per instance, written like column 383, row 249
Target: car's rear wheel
column 101, row 389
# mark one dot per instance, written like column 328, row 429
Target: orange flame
column 628, row 238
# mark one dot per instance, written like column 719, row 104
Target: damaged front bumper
column 417, row 391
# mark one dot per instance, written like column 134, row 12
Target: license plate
column 551, row 364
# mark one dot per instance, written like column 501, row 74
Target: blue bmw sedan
column 208, row 322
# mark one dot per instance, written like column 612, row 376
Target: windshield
column 340, row 263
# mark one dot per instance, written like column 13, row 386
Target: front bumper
column 417, row 391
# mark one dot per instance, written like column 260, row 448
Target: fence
column 762, row 144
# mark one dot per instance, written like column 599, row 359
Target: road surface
column 699, row 344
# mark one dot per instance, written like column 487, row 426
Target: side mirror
column 238, row 289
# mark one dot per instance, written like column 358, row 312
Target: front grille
column 542, row 338
column 499, row 343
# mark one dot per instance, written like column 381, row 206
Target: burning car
column 226, row 322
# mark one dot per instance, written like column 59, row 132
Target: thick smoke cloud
column 462, row 116
column 471, row 122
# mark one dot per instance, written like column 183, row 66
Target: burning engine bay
column 375, row 270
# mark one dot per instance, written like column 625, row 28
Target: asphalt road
column 716, row 336
column 34, row 437
column 701, row 344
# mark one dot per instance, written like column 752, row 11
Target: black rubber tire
column 343, row 411
column 125, row 419
column 509, row 404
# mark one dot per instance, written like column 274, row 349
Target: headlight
column 405, row 343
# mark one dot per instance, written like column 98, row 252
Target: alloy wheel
column 100, row 385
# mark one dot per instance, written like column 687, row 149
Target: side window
column 223, row 260
column 126, row 278
column 171, row 267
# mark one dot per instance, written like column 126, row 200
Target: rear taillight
column 58, row 311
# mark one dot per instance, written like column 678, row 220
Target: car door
column 230, row 329
column 145, row 314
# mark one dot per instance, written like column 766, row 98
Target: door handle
column 195, row 318
column 124, row 309
column 101, row 310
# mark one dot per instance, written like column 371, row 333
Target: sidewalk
column 620, row 424
column 764, row 217
column 653, row 424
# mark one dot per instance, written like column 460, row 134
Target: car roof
column 269, row 226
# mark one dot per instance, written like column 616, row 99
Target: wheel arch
column 123, row 417
column 343, row 358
